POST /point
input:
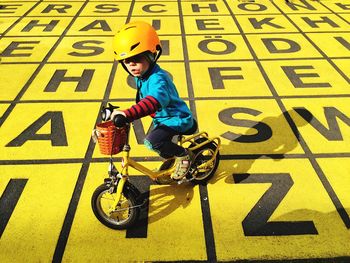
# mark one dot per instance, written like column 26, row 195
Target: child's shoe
column 182, row 165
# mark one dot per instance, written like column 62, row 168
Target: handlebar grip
column 120, row 120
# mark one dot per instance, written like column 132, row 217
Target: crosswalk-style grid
column 270, row 78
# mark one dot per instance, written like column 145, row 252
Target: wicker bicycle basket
column 111, row 139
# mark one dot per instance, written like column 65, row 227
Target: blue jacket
column 174, row 112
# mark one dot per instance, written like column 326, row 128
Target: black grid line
column 88, row 159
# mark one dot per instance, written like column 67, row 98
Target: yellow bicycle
column 117, row 202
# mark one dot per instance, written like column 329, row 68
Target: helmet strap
column 152, row 57
column 126, row 69
column 159, row 53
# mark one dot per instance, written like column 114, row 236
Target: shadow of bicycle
column 164, row 200
column 280, row 143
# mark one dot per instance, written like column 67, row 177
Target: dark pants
column 160, row 141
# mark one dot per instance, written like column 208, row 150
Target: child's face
column 136, row 65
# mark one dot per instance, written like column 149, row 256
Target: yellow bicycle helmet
column 135, row 38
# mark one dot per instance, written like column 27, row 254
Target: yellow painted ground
column 271, row 79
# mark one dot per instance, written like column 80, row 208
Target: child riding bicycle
column 137, row 48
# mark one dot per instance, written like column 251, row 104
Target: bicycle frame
column 127, row 162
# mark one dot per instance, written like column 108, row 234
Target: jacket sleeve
column 146, row 106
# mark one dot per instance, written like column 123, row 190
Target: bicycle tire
column 199, row 158
column 123, row 218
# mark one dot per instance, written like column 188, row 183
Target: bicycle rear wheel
column 123, row 216
column 201, row 156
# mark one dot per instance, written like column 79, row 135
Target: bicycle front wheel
column 126, row 212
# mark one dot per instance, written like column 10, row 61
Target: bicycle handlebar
column 119, row 120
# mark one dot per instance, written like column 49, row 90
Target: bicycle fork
column 120, row 186
column 116, row 181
